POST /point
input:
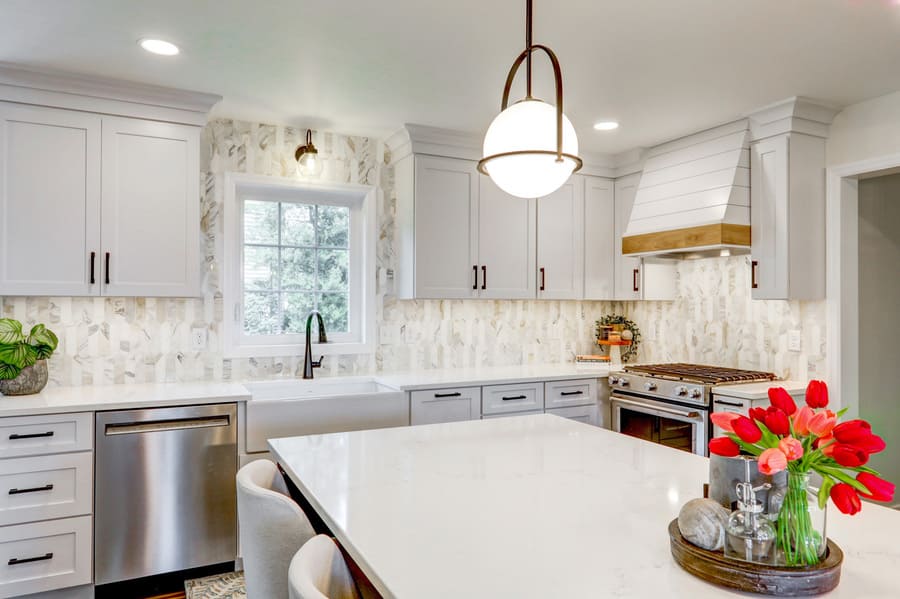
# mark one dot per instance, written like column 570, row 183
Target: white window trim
column 235, row 344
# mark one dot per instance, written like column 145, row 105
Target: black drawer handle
column 515, row 397
column 722, row 402
column 106, row 269
column 14, row 560
column 93, row 258
column 439, row 395
column 31, row 490
column 567, row 393
column 16, row 436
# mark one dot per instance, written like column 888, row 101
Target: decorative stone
column 627, row 335
column 31, row 380
column 702, row 523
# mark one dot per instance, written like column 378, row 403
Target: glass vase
column 800, row 528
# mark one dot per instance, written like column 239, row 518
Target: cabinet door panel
column 445, row 405
column 628, row 270
column 446, row 212
column 769, row 218
column 151, row 208
column 599, row 239
column 49, row 200
column 506, row 244
column 561, row 242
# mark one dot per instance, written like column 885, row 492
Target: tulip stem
column 795, row 534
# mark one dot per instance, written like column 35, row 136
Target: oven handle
column 691, row 415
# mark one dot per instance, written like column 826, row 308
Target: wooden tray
column 714, row 567
column 605, row 342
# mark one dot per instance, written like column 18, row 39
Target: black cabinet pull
column 722, row 402
column 439, row 395
column 106, row 270
column 753, row 282
column 475, row 269
column 31, row 490
column 634, row 279
column 16, row 436
column 515, row 397
column 484, row 277
column 543, row 277
column 93, row 259
column 14, row 560
column 567, row 393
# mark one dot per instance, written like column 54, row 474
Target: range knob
column 650, row 386
column 613, row 380
column 623, row 382
column 681, row 391
column 695, row 393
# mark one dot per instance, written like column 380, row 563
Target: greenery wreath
column 629, row 351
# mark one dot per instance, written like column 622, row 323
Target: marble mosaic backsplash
column 125, row 340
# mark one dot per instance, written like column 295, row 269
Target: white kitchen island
column 533, row 506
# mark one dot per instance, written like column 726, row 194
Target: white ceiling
column 662, row 68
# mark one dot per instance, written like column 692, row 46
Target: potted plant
column 23, row 358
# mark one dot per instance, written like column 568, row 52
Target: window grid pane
column 303, row 277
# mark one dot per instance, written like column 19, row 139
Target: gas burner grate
column 705, row 374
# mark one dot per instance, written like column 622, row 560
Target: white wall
column 879, row 317
column 865, row 130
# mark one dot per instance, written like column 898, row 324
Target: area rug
column 221, row 586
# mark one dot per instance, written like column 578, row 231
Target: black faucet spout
column 308, row 362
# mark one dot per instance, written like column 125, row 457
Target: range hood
column 693, row 199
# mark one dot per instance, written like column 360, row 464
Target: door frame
column 842, row 273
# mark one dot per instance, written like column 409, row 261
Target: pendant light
column 530, row 149
column 308, row 162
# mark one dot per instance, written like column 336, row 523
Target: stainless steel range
column 670, row 403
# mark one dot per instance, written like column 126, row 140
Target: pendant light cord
column 528, row 47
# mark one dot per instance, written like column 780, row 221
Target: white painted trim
column 842, row 265
column 366, row 197
column 100, row 95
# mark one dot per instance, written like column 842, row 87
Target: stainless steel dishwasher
column 164, row 497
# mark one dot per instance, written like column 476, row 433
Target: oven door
column 673, row 425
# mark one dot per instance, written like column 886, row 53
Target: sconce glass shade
column 521, row 150
column 309, row 164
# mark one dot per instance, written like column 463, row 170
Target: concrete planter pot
column 31, row 380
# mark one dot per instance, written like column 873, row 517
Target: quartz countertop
column 759, row 390
column 533, row 506
column 89, row 398
column 489, row 375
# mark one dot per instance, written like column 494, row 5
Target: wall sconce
column 308, row 162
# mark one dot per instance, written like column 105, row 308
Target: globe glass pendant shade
column 529, row 126
column 309, row 164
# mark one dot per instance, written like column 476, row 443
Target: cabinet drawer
column 502, row 399
column 445, row 405
column 562, row 394
column 52, row 433
column 586, row 414
column 508, row 414
column 45, row 487
column 44, row 556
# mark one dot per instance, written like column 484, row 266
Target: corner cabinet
column 97, row 205
column 627, row 269
column 599, row 238
column 787, row 217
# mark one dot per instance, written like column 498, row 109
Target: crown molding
column 87, row 93
column 797, row 114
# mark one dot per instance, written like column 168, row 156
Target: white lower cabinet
column 587, row 414
column 504, row 399
column 509, row 414
column 563, row 394
column 43, row 556
column 445, row 405
column 46, row 502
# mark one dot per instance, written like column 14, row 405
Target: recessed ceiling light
column 606, row 125
column 159, row 46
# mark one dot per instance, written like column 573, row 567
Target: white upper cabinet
column 49, row 201
column 99, row 186
column 787, row 214
column 440, row 239
column 151, row 213
column 506, row 244
column 599, row 239
column 560, row 243
column 627, row 269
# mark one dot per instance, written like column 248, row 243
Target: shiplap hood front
column 694, row 196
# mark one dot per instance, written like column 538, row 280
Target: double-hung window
column 295, row 248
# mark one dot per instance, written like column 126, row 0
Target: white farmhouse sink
column 294, row 408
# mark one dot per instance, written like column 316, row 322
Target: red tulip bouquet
column 801, row 441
